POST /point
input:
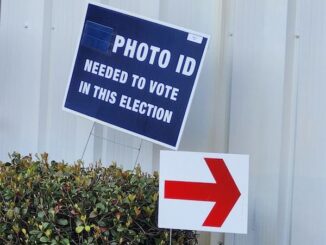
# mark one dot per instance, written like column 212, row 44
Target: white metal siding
column 256, row 109
column 308, row 223
column 260, row 92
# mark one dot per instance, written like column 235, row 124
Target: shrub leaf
column 62, row 222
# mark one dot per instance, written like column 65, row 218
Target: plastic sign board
column 203, row 191
column 135, row 74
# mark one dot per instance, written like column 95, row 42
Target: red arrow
column 224, row 192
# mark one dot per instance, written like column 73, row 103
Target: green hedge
column 57, row 203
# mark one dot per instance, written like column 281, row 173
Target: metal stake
column 89, row 136
column 139, row 149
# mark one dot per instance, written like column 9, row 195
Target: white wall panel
column 65, row 134
column 290, row 97
column 21, row 31
column 256, row 109
column 148, row 8
column 309, row 193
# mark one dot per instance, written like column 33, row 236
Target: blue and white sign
column 135, row 74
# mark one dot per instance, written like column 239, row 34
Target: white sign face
column 203, row 191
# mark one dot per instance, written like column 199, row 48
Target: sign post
column 203, row 191
column 135, row 74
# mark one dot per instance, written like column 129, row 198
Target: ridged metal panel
column 308, row 224
column 256, row 109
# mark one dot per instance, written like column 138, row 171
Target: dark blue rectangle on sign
column 134, row 74
column 96, row 36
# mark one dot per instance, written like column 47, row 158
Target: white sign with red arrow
column 204, row 191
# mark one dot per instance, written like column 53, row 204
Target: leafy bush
column 57, row 203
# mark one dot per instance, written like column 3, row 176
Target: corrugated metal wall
column 277, row 116
column 256, row 109
column 260, row 92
